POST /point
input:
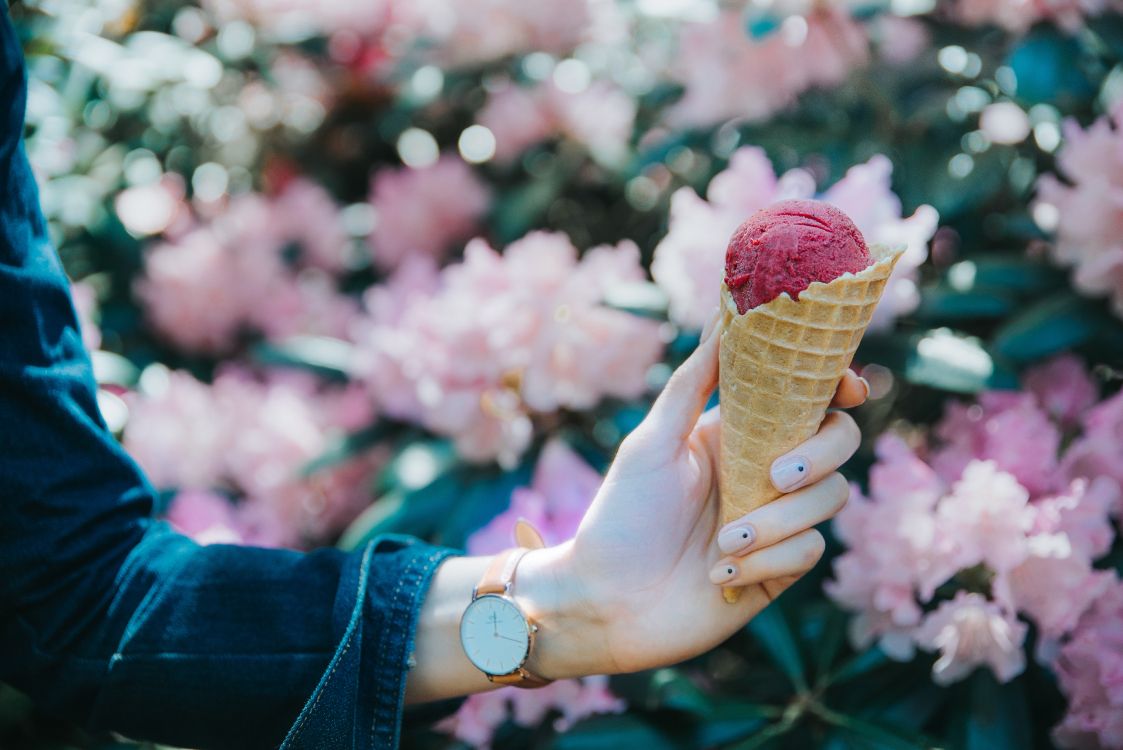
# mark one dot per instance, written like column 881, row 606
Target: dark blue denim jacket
column 113, row 620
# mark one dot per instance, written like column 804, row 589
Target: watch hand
column 513, row 640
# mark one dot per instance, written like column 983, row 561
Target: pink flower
column 897, row 549
column 1019, row 15
column 1063, row 388
column 988, row 516
column 205, row 517
column 175, row 432
column 1087, row 210
column 85, row 304
column 308, row 217
column 506, row 336
column 1090, row 672
column 483, row 713
column 1005, row 427
column 970, row 631
column 689, row 262
column 1082, row 513
column 1053, row 586
column 425, row 210
column 1099, row 451
column 866, row 195
column 561, row 491
column 729, row 75
column 464, row 32
column 206, row 289
column 253, row 439
column 600, row 116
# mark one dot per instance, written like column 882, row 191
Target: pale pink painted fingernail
column 736, row 539
column 723, row 573
column 790, row 472
column 865, row 384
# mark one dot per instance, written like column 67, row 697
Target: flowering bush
column 418, row 266
column 944, row 554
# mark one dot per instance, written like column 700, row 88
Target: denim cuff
column 359, row 701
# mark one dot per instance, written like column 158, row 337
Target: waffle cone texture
column 780, row 363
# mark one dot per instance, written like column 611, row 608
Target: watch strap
column 498, row 579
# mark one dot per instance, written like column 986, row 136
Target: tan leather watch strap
column 500, row 574
column 498, row 579
column 520, row 678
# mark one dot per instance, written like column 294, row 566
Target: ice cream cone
column 780, row 364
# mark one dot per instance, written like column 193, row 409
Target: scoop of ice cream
column 785, row 247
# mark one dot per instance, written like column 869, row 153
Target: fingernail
column 865, row 384
column 790, row 472
column 736, row 539
column 723, row 573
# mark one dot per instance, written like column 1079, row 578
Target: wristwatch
column 497, row 636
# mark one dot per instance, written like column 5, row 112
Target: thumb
column 676, row 411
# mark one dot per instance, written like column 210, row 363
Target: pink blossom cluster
column 600, row 116
column 689, row 262
column 1019, row 15
column 996, row 512
column 244, row 438
column 86, row 306
column 453, row 32
column 425, row 210
column 504, row 337
column 206, row 287
column 561, row 490
column 1085, row 209
column 1090, row 671
column 728, row 75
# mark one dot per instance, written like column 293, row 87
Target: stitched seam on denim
column 422, row 584
column 382, row 707
column 349, row 637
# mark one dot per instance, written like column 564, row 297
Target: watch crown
column 534, row 628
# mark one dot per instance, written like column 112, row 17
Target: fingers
column 853, row 390
column 792, row 557
column 675, row 412
column 783, row 518
column 837, row 440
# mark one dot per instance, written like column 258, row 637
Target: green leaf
column 328, row 357
column 939, row 358
column 639, row 298
column 996, row 715
column 867, row 735
column 771, row 628
column 349, row 446
column 669, row 688
column 729, row 721
column 419, row 513
column 867, row 661
column 1014, row 274
column 766, row 735
column 828, row 639
column 945, row 305
column 1059, row 322
column 615, row 731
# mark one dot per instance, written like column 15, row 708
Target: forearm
column 565, row 645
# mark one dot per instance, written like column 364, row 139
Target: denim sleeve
column 113, row 620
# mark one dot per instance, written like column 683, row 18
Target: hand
column 646, row 567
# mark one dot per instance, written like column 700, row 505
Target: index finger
column 853, row 390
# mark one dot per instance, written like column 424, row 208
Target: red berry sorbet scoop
column 785, row 247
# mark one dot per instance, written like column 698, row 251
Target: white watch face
column 494, row 634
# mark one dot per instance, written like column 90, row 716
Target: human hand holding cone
column 781, row 359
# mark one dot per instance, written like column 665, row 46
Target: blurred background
column 355, row 266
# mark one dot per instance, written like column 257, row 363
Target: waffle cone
column 780, row 364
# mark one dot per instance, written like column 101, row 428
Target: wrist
column 570, row 634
